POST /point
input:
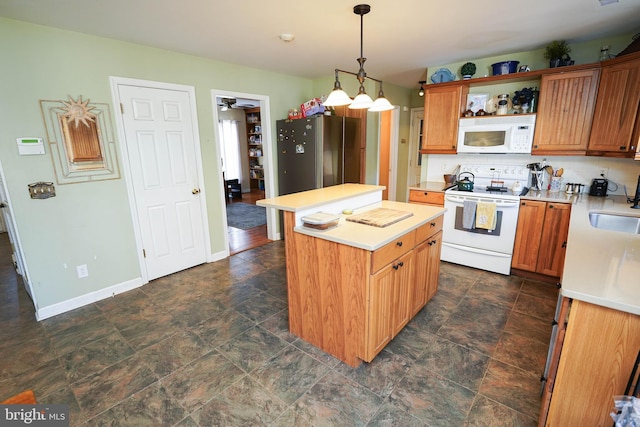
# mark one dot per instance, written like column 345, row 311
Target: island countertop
column 602, row 267
column 370, row 237
column 306, row 200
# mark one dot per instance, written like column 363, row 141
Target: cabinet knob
column 395, row 266
column 433, row 224
column 426, row 193
column 401, row 263
column 622, row 147
column 399, row 243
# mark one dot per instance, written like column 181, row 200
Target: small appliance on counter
column 599, row 187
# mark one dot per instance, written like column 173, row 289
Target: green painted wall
column 90, row 223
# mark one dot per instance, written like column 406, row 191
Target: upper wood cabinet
column 443, row 106
column 565, row 112
column 617, row 117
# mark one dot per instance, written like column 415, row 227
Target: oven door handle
column 459, row 200
column 476, row 250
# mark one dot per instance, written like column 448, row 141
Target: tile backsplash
column 577, row 169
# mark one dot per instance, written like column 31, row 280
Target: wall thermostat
column 30, row 146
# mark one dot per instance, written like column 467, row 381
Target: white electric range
column 496, row 192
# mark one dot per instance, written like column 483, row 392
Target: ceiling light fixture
column 339, row 97
column 421, row 91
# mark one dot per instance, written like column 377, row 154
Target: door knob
column 195, row 191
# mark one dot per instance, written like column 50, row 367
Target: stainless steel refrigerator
column 316, row 152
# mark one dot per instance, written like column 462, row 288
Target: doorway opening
column 243, row 141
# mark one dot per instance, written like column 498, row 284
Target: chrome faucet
column 636, row 198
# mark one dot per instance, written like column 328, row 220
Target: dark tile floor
column 209, row 346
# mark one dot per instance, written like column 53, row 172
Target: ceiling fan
column 227, row 103
column 236, row 103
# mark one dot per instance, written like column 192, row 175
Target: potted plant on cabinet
column 467, row 70
column 557, row 52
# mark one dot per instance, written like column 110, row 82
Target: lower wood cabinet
column 351, row 302
column 595, row 363
column 389, row 306
column 541, row 237
column 402, row 287
column 432, row 198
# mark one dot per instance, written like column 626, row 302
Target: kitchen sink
column 615, row 222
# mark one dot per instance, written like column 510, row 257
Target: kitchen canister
column 503, row 104
column 555, row 184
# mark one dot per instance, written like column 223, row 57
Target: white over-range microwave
column 496, row 134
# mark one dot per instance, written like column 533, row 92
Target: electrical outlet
column 604, row 172
column 82, row 270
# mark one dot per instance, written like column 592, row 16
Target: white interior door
column 161, row 148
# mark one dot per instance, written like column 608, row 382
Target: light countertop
column 602, row 267
column 430, row 186
column 306, row 200
column 369, row 237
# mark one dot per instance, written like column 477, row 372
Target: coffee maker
column 599, row 187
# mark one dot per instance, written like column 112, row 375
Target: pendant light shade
column 339, row 97
column 381, row 103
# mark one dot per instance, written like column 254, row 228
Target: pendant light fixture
column 421, row 91
column 339, row 97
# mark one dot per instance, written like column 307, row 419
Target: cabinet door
column 433, row 270
column 379, row 308
column 616, row 112
column 442, row 110
column 527, row 243
column 420, row 286
column 402, row 290
column 553, row 240
column 565, row 112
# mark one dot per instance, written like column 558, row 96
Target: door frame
column 126, row 165
column 394, row 130
column 267, row 152
column 414, row 135
column 12, row 230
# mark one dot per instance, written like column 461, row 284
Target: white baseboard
column 219, row 255
column 77, row 302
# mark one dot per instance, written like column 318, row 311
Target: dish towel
column 468, row 214
column 486, row 216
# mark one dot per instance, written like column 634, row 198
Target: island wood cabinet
column 351, row 302
column 595, row 363
column 565, row 112
column 616, row 122
column 541, row 237
column 431, row 198
column 443, row 106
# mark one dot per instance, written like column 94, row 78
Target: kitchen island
column 598, row 338
column 353, row 287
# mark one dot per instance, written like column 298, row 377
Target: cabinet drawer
column 431, row 197
column 392, row 250
column 429, row 229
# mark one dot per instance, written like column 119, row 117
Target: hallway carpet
column 210, row 346
column 245, row 216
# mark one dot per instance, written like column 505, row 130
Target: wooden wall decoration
column 81, row 140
